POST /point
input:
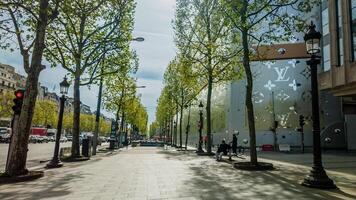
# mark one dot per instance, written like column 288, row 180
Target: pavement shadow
column 44, row 188
column 219, row 180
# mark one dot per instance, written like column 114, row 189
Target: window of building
column 339, row 33
column 326, row 36
column 353, row 27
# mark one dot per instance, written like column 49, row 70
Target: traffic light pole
column 14, row 121
column 19, row 94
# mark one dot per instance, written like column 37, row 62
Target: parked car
column 40, row 139
column 5, row 134
column 63, row 139
column 69, row 137
column 103, row 139
column 45, row 139
column 33, row 139
column 51, row 138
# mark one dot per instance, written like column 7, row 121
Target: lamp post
column 317, row 177
column 187, row 128
column 55, row 162
column 201, row 107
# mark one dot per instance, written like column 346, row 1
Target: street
column 36, row 153
column 154, row 173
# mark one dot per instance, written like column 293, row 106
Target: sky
column 153, row 21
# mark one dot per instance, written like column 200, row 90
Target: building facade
column 9, row 79
column 338, row 74
column 282, row 87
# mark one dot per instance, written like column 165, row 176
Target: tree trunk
column 97, row 117
column 181, row 128
column 76, row 117
column 208, row 113
column 248, row 100
column 176, row 128
column 172, row 129
column 122, row 125
column 17, row 155
column 180, row 123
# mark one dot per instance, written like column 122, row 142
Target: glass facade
column 339, row 33
column 353, row 27
column 326, row 35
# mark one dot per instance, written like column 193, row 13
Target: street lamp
column 55, row 162
column 188, row 127
column 201, row 107
column 317, row 177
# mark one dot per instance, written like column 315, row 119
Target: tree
column 23, row 26
column 262, row 22
column 120, row 89
column 84, row 34
column 68, row 122
column 6, row 104
column 137, row 115
column 182, row 87
column 165, row 113
column 104, row 127
column 203, row 38
column 45, row 113
column 154, row 128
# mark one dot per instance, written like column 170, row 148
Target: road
column 36, row 153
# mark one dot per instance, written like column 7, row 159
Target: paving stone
column 152, row 173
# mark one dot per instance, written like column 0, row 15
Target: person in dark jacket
column 234, row 144
column 222, row 150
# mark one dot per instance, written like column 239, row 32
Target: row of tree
column 216, row 41
column 89, row 39
column 46, row 114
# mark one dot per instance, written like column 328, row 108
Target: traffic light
column 301, row 120
column 19, row 94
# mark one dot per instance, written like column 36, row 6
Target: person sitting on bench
column 222, row 150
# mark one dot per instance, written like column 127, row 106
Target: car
column 33, row 139
column 45, row 139
column 103, row 139
column 5, row 134
column 51, row 138
column 5, row 138
column 40, row 139
column 63, row 139
column 69, row 137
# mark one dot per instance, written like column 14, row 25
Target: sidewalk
column 342, row 162
column 154, row 173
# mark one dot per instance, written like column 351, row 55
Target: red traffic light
column 19, row 94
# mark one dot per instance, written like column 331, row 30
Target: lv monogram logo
column 281, row 72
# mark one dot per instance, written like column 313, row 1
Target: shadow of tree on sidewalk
column 219, row 180
column 44, row 188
